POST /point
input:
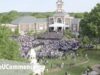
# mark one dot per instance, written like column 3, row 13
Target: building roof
column 39, row 20
column 75, row 21
column 24, row 19
column 28, row 19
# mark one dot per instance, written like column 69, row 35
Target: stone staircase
column 51, row 35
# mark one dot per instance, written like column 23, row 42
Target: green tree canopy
column 90, row 24
column 8, row 17
column 9, row 49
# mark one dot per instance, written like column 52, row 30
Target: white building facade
column 61, row 20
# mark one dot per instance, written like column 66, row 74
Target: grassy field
column 54, row 65
column 79, row 66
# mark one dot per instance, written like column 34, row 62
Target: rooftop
column 28, row 19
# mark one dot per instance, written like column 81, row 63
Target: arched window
column 59, row 20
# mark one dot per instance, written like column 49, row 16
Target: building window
column 51, row 21
column 67, row 21
column 59, row 20
column 51, row 29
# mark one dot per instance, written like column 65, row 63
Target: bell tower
column 60, row 6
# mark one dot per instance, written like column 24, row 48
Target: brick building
column 58, row 22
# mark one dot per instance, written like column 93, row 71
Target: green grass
column 93, row 56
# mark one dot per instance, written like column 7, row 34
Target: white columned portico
column 58, row 26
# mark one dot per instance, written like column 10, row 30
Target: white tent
column 58, row 25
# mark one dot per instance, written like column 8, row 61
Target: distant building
column 58, row 22
column 61, row 20
column 12, row 26
column 29, row 23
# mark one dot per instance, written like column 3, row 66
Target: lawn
column 54, row 68
column 80, row 65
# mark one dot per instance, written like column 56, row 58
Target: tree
column 16, row 32
column 9, row 49
column 8, row 17
column 68, row 34
column 42, row 15
column 90, row 24
column 77, row 15
column 86, row 40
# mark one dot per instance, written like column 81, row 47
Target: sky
column 46, row 5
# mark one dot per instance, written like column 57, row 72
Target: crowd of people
column 57, row 48
column 49, row 48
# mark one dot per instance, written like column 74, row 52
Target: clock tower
column 60, row 6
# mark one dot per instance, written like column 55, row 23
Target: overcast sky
column 46, row 5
